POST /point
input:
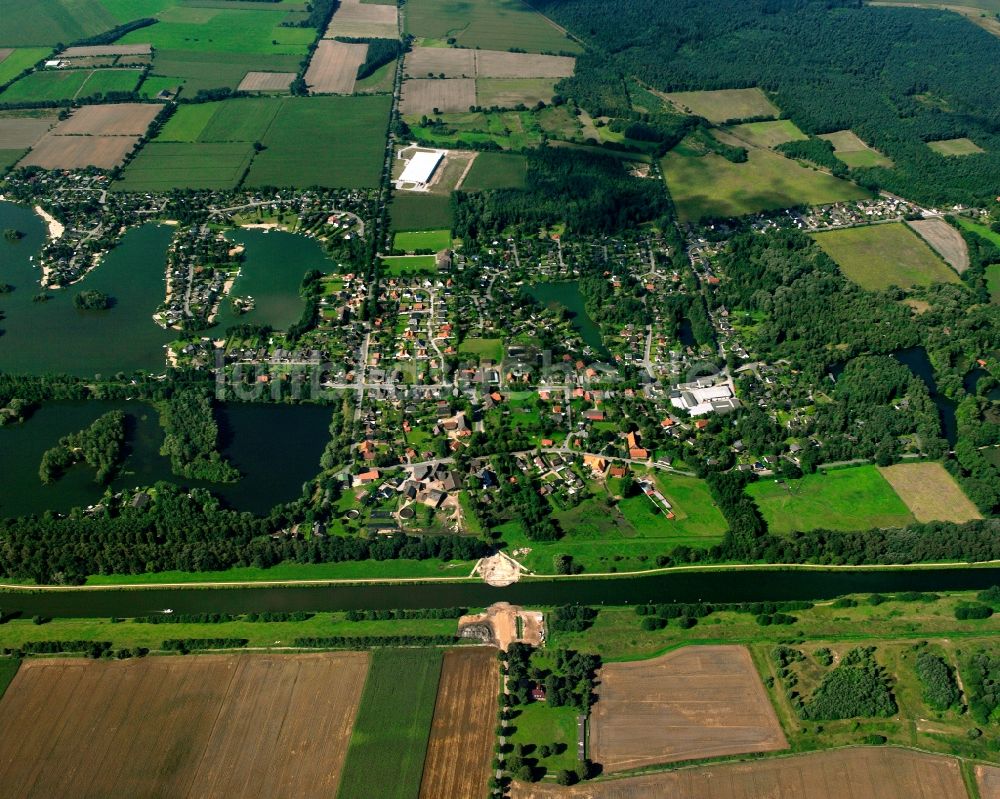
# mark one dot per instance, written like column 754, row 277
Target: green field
column 698, row 521
column 496, row 171
column 187, row 122
column 850, row 149
column 707, row 185
column 955, row 147
column 483, row 348
column 161, row 166
column 420, row 212
column 20, row 60
column 486, row 24
column 393, row 725
column 722, row 105
column 222, row 30
column 8, row 669
column 46, row 22
column 422, row 240
column 153, row 85
column 539, row 723
column 198, row 70
column 878, row 256
column 70, row 84
column 8, row 158
column 993, row 281
column 513, row 92
column 402, row 265
column 767, row 134
column 509, row 130
column 979, row 230
column 325, row 141
column 846, row 499
column 992, row 271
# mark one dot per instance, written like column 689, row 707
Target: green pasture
column 878, row 256
column 420, row 211
column 10, row 157
column 721, row 105
column 47, row 22
column 46, row 85
column 955, row 147
column 496, row 171
column 767, row 134
column 858, row 498
column 422, row 240
column 21, row 59
column 405, row 265
column 161, row 166
column 211, row 70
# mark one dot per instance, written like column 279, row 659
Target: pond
column 276, row 448
column 971, row 382
column 272, row 270
column 53, row 336
column 566, row 294
column 709, row 586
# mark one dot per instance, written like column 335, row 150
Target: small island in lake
column 92, row 301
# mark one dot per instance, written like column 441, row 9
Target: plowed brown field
column 700, row 701
column 458, row 755
column 988, row 778
column 204, row 726
column 844, row 774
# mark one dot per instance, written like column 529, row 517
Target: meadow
column 422, row 240
column 509, row 130
column 722, row 105
column 878, row 256
column 161, row 166
column 708, row 185
column 46, row 22
column 955, row 147
column 405, row 265
column 242, row 120
column 850, row 149
column 70, row 84
column 420, row 212
column 324, row 141
column 512, row 92
column 767, row 134
column 487, row 24
column 482, row 348
column 195, row 71
column 19, row 60
column 858, row 498
column 496, row 171
column 386, row 755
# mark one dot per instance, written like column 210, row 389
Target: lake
column 718, row 586
column 276, row 448
column 54, row 337
column 271, row 273
column 566, row 294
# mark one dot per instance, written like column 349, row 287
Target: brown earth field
column 930, row 492
column 500, row 64
column 988, row 780
column 511, row 92
column 77, row 152
column 423, row 96
column 864, row 773
column 267, row 81
column 5, row 51
column 944, row 240
column 452, row 62
column 196, row 726
column 19, row 132
column 699, row 701
column 354, row 19
column 106, row 49
column 117, row 119
column 334, row 67
column 461, row 743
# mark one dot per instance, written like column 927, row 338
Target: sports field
column 931, row 494
column 488, row 24
column 878, row 256
column 722, row 105
column 708, row 185
column 850, row 149
column 181, row 727
column 961, row 146
column 324, row 141
column 767, row 134
column 161, row 166
column 858, row 498
column 422, row 240
column 386, row 756
column 496, row 171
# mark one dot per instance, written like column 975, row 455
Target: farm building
column 420, row 169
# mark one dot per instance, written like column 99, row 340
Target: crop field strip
column 21, row 132
column 209, row 70
column 945, row 240
column 864, row 773
column 334, row 67
column 389, row 743
column 354, row 19
column 702, row 701
column 206, row 726
column 930, row 492
column 422, row 96
column 462, row 733
column 266, row 81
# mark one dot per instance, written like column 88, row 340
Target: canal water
column 566, row 294
column 277, row 448
column 721, row 586
column 53, row 336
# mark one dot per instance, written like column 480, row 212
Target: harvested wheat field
column 423, row 96
column 89, row 51
column 944, row 240
column 931, row 494
column 461, row 742
column 18, row 132
column 117, row 119
column 452, row 62
column 203, row 726
column 334, row 67
column 267, row 81
column 355, row 19
column 988, row 779
column 871, row 773
column 500, row 64
column 700, row 701
column 77, row 152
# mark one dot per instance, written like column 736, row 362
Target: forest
column 191, row 437
column 897, row 77
column 99, row 446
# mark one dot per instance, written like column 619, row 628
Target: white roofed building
column 419, row 170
